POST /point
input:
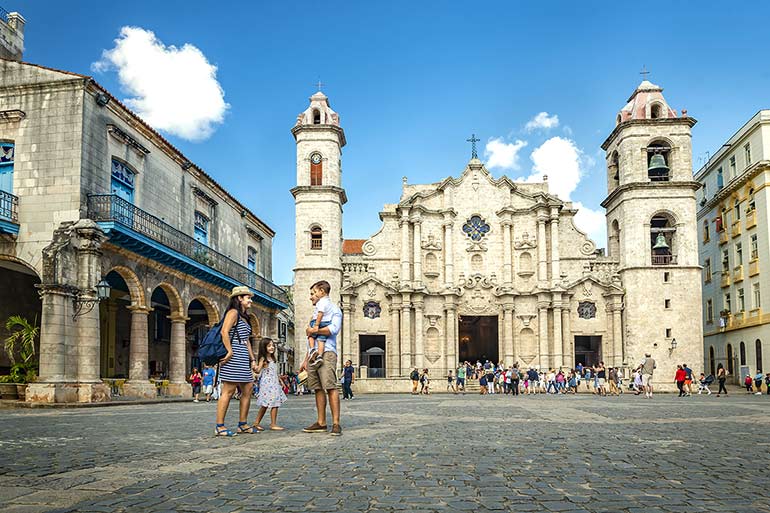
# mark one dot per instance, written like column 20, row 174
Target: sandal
column 221, row 430
column 258, row 427
column 244, row 427
column 277, row 428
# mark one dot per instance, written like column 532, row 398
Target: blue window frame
column 251, row 259
column 123, row 179
column 7, row 151
column 201, row 228
column 475, row 228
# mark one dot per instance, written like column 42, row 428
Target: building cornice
column 733, row 185
column 321, row 128
column 649, row 186
column 315, row 189
column 690, row 122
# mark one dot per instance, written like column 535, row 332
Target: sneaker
column 315, row 363
column 315, row 428
column 336, row 430
column 195, row 400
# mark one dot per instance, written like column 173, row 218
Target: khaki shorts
column 324, row 377
column 646, row 379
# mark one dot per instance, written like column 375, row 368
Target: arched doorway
column 159, row 334
column 24, row 301
column 758, row 349
column 712, row 363
column 201, row 315
column 115, row 328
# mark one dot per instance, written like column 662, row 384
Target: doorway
column 479, row 339
column 588, row 350
column 372, row 355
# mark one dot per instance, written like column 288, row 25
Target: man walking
column 322, row 379
column 348, row 378
column 647, row 367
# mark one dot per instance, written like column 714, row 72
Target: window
column 754, row 247
column 316, row 238
column 737, row 209
column 725, row 261
column 123, row 178
column 720, row 179
column 755, row 292
column 662, row 233
column 666, row 303
column 738, row 254
column 666, row 277
column 251, row 259
column 741, row 301
column 742, row 353
column 316, row 117
column 6, row 166
column 747, row 153
column 201, row 228
column 706, row 235
column 668, row 332
column 707, row 270
column 475, row 228
column 732, row 166
column 730, row 358
column 316, row 169
column 709, row 311
column 655, row 111
column 752, row 204
column 758, row 349
column 728, row 303
column 658, row 154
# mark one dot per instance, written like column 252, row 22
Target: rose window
column 475, row 228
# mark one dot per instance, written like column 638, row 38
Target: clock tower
column 318, row 200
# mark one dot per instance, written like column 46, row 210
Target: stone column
column 404, row 224
column 448, row 256
column 558, row 356
column 417, row 224
column 392, row 345
column 348, row 352
column 138, row 358
column 555, row 267
column 419, row 350
column 177, row 368
column 542, row 268
column 406, row 335
column 567, row 340
column 508, row 353
column 450, row 333
column 54, row 327
column 507, row 263
column 617, row 336
column 542, row 327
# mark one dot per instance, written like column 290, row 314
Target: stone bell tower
column 318, row 200
column 652, row 232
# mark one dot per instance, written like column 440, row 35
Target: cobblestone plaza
column 398, row 453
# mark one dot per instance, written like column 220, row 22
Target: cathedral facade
column 480, row 268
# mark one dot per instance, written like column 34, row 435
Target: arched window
column 614, row 242
column 431, row 263
column 662, row 239
column 613, row 170
column 316, row 117
column 730, row 358
column 737, row 209
column 316, row 238
column 316, row 169
column 655, row 111
column 758, row 349
column 711, row 360
column 477, row 263
column 658, row 162
column 742, row 353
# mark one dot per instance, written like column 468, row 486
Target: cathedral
column 474, row 267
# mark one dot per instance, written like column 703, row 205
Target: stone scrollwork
column 525, row 241
column 477, row 280
column 588, row 247
column 369, row 248
column 431, row 243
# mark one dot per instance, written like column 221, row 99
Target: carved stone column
column 542, row 326
column 406, row 334
column 508, row 353
column 138, row 356
column 542, row 268
column 393, row 345
column 348, row 352
column 177, row 367
column 450, row 333
column 419, row 350
column 448, row 256
column 507, row 262
column 555, row 267
column 417, row 227
column 557, row 359
column 55, row 322
column 617, row 336
column 404, row 224
column 567, row 339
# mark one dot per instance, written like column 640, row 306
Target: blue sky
column 412, row 80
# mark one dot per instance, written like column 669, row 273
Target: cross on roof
column 319, row 84
column 473, row 142
column 644, row 72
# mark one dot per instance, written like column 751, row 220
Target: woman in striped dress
column 235, row 369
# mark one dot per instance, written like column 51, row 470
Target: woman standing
column 680, row 377
column 721, row 378
column 195, row 380
column 235, row 369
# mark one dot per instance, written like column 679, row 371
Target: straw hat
column 240, row 291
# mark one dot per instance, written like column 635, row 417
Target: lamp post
column 82, row 304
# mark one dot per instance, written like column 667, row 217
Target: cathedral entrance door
column 478, row 338
column 588, row 349
column 372, row 355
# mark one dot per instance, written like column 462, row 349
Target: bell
column 657, row 166
column 660, row 242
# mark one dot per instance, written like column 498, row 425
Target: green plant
column 21, row 341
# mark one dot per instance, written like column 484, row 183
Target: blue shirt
column 347, row 373
column 208, row 376
column 334, row 328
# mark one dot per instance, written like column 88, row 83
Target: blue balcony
column 134, row 229
column 9, row 213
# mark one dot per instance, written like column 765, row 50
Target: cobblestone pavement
column 398, row 453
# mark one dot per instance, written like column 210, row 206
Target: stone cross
column 473, row 142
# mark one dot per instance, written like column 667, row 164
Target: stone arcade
column 475, row 267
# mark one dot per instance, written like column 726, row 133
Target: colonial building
column 90, row 194
column 477, row 267
column 734, row 225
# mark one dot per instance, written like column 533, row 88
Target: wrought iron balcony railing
column 111, row 208
column 9, row 207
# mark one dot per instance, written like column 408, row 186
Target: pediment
column 366, row 285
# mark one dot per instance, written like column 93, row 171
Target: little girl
column 271, row 394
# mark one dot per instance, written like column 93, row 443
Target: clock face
column 315, row 158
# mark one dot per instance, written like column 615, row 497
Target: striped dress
column 238, row 369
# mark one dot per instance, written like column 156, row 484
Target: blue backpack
column 212, row 349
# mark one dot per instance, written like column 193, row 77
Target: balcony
column 751, row 218
column 132, row 228
column 9, row 213
column 738, row 274
column 663, row 259
column 723, row 237
column 736, row 231
column 725, row 279
column 754, row 267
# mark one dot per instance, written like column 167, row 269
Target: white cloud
column 502, row 154
column 542, row 121
column 592, row 222
column 559, row 159
column 173, row 89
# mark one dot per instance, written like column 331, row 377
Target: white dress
column 270, row 392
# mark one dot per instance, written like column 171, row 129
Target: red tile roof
column 353, row 246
